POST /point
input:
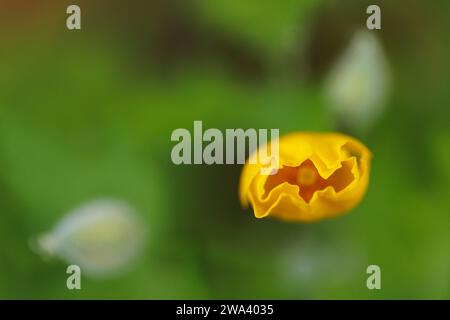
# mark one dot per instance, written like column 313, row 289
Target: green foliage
column 83, row 119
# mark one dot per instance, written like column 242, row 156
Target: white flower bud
column 101, row 237
column 358, row 85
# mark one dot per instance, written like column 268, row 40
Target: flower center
column 306, row 176
column 309, row 180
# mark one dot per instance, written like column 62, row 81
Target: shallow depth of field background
column 88, row 114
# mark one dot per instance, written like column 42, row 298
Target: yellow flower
column 319, row 175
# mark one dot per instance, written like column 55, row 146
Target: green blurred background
column 88, row 114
